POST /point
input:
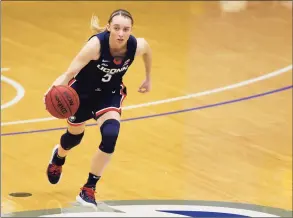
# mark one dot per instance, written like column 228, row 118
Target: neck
column 114, row 46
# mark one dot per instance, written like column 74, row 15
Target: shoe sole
column 84, row 203
column 56, row 147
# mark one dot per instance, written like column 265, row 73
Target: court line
column 19, row 90
column 166, row 113
column 194, row 95
column 5, row 69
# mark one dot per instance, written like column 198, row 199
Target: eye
column 126, row 29
column 116, row 28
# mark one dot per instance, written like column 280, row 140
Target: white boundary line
column 19, row 90
column 5, row 69
column 217, row 90
column 194, row 95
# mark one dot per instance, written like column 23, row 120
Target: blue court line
column 164, row 114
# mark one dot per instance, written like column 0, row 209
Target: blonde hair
column 95, row 25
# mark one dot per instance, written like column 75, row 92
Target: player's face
column 120, row 30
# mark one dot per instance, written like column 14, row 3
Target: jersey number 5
column 107, row 78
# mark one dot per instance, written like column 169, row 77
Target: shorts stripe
column 107, row 109
column 123, row 95
column 75, row 124
column 71, row 82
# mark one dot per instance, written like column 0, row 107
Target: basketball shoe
column 54, row 171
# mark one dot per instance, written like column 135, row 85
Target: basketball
column 62, row 102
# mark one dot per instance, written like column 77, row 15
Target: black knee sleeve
column 109, row 130
column 69, row 140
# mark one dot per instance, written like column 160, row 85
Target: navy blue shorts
column 92, row 106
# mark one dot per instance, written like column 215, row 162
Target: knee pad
column 69, row 140
column 109, row 130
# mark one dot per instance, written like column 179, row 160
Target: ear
column 108, row 27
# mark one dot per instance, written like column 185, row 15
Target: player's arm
column 143, row 49
column 90, row 51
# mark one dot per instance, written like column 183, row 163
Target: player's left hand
column 145, row 86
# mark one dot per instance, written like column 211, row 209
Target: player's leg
column 110, row 126
column 108, row 118
column 71, row 138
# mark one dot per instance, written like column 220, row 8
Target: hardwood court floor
column 236, row 152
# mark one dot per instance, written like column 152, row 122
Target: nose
column 120, row 33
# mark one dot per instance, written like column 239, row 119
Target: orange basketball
column 62, row 102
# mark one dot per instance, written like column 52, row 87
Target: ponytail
column 95, row 27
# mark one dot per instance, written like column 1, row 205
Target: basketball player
column 96, row 74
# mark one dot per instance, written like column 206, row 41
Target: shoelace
column 54, row 169
column 90, row 192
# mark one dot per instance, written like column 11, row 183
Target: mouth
column 120, row 40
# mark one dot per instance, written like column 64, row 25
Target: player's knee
column 109, row 130
column 68, row 140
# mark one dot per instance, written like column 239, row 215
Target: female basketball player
column 96, row 74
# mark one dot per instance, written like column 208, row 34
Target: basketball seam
column 76, row 98
column 65, row 100
column 53, row 104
